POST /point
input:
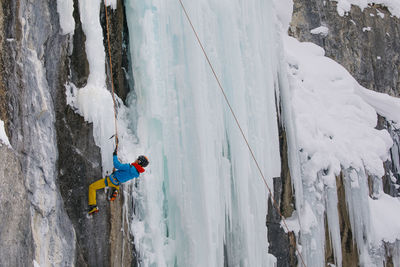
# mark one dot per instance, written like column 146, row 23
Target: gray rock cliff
column 53, row 159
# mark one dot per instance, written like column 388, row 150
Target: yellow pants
column 99, row 184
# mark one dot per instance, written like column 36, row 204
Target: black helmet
column 143, row 161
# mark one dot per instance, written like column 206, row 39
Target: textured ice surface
column 203, row 201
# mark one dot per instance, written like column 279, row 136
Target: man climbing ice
column 122, row 174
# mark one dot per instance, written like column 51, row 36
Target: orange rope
column 240, row 128
column 111, row 77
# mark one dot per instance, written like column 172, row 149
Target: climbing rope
column 111, row 77
column 240, row 128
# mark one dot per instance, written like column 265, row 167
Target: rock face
column 16, row 235
column 53, row 159
column 119, row 41
column 366, row 42
column 32, row 53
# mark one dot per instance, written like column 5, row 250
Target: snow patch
column 335, row 126
column 322, row 30
column 344, row 6
column 284, row 11
column 380, row 14
column 386, row 218
column 385, row 105
column 292, row 223
column 94, row 102
column 112, row 3
column 3, row 135
column 65, row 9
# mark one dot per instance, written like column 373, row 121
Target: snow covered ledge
column 344, row 6
column 335, row 122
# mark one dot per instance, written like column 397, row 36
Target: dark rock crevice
column 120, row 54
column 350, row 255
column 391, row 178
column 79, row 65
column 281, row 244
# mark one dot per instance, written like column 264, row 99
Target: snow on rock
column 284, row 10
column 385, row 105
column 94, row 102
column 3, row 135
column 366, row 29
column 335, row 120
column 385, row 222
column 65, row 9
column 336, row 127
column 322, row 30
column 344, row 6
column 112, row 3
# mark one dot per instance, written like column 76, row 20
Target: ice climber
column 122, row 174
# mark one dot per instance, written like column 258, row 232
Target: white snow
column 3, row 135
column 335, row 121
column 335, row 126
column 322, row 30
column 380, row 14
column 284, row 10
column 385, row 105
column 111, row 3
column 94, row 102
column 65, row 9
column 386, row 218
column 366, row 29
column 344, row 6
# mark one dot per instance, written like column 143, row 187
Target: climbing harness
column 111, row 77
column 238, row 124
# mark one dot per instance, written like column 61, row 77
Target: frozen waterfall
column 204, row 203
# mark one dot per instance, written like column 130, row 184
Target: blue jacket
column 124, row 173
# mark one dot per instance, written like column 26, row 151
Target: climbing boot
column 93, row 209
column 113, row 195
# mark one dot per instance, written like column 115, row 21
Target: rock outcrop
column 366, row 42
column 53, row 159
column 32, row 53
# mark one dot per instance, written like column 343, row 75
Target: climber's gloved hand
column 115, row 152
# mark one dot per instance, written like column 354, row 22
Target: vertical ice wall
column 202, row 202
